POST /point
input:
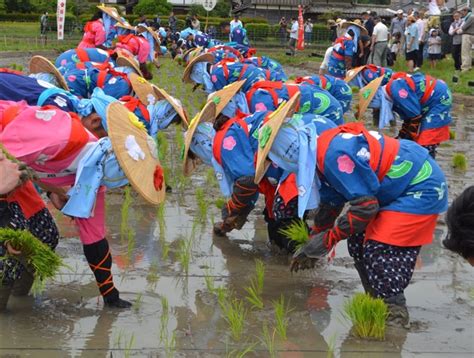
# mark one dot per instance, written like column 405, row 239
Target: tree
column 19, row 6
column 222, row 9
column 152, row 7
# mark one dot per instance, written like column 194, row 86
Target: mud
column 69, row 319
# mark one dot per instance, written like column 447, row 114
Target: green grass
column 268, row 340
column 255, row 290
column 44, row 261
column 25, row 36
column 202, row 205
column 367, row 314
column 297, row 231
column 185, row 253
column 459, row 161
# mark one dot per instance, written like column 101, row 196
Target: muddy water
column 68, row 319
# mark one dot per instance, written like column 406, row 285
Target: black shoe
column 117, row 303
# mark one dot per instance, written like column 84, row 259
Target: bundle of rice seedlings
column 459, row 161
column 297, row 231
column 44, row 261
column 367, row 314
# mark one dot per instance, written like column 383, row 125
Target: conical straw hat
column 111, row 11
column 123, row 61
column 268, row 132
column 350, row 74
column 346, row 24
column 40, row 64
column 145, row 174
column 222, row 97
column 366, row 94
column 125, row 25
column 205, row 57
column 148, row 93
column 207, row 114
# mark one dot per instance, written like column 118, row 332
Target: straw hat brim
column 123, row 61
column 207, row 114
column 346, row 24
column 111, row 11
column 141, row 172
column 366, row 94
column 144, row 89
column 42, row 64
column 205, row 57
column 222, row 97
column 162, row 94
column 352, row 73
column 272, row 126
column 124, row 25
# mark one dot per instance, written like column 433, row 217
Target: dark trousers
column 419, row 61
column 456, row 52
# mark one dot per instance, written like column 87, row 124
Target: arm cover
column 362, row 210
column 325, row 217
column 410, row 128
column 241, row 203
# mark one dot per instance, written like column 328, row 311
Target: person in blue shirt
column 395, row 192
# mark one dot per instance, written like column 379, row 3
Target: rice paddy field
column 198, row 295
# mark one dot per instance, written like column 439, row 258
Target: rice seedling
column 459, row 161
column 268, row 340
column 127, row 200
column 201, row 205
column 281, row 317
column 209, row 279
column 222, row 294
column 185, row 253
column 241, row 353
column 152, row 277
column 211, row 178
column 169, row 341
column 297, row 231
column 128, row 345
column 331, row 346
column 452, row 135
column 235, row 314
column 160, row 215
column 165, row 248
column 130, row 245
column 220, row 202
column 138, row 302
column 163, row 146
column 255, row 290
column 44, row 262
column 367, row 314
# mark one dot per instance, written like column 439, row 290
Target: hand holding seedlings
column 11, row 250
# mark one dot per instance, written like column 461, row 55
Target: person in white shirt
column 456, row 32
column 434, row 47
column 234, row 24
column 420, row 22
column 293, row 36
column 308, row 31
column 379, row 44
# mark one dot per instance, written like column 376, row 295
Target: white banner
column 60, row 15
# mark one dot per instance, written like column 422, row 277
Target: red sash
column 82, row 55
column 132, row 103
column 429, row 86
column 380, row 160
column 221, row 133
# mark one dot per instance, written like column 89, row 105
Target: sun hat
column 205, row 57
column 111, row 11
column 148, row 94
column 136, row 153
column 207, row 114
column 346, row 24
column 125, row 61
column 267, row 134
column 366, row 94
column 40, row 64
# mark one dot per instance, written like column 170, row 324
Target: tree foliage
column 160, row 7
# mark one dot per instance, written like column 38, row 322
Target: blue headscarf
column 186, row 32
column 238, row 102
column 97, row 103
column 294, row 151
column 201, row 143
column 200, row 75
column 49, row 92
column 356, row 31
column 110, row 29
column 161, row 115
column 151, row 40
column 46, row 77
column 382, row 101
column 98, row 167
